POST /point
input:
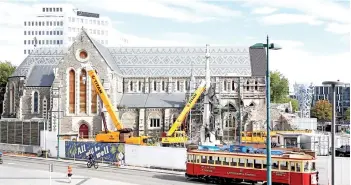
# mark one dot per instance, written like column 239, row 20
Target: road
column 28, row 171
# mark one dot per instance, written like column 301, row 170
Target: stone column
column 147, row 85
column 141, row 122
column 167, row 117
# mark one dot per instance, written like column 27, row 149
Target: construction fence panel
column 155, row 157
column 102, row 152
column 21, row 132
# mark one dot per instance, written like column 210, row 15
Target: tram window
column 292, row 166
column 250, row 163
column 307, row 166
column 258, row 164
column 210, row 160
column 243, row 134
column 198, row 159
column 226, row 161
column 259, row 134
column 254, row 134
column 189, row 158
column 264, row 164
column 275, row 164
column 284, row 165
column 203, row 159
column 242, row 162
column 219, row 160
column 234, row 162
column 298, row 167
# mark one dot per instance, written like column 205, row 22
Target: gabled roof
column 41, row 76
column 160, row 61
column 105, row 54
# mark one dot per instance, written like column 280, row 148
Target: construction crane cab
column 122, row 135
column 175, row 137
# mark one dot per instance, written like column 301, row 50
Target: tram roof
column 286, row 155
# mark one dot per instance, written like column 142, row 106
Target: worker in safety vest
column 69, row 173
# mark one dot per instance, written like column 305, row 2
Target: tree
column 347, row 114
column 322, row 111
column 279, row 87
column 6, row 69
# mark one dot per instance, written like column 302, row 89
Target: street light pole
column 268, row 140
column 268, row 46
column 333, row 85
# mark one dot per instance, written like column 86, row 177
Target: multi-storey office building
column 56, row 25
column 342, row 98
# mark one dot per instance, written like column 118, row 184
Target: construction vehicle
column 122, row 135
column 260, row 136
column 174, row 137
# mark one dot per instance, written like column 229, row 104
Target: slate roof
column 164, row 100
column 159, row 61
column 41, row 76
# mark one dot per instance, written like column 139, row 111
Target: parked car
column 343, row 151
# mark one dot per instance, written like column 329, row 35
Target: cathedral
column 147, row 85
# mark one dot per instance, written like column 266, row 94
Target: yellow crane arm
column 103, row 95
column 187, row 108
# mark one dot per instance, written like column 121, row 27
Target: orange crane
column 122, row 135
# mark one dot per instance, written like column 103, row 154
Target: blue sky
column 314, row 34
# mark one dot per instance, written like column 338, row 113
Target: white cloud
column 279, row 19
column 264, row 10
column 321, row 9
column 300, row 66
column 338, row 28
column 182, row 11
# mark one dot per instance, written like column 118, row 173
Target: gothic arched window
column 35, row 102
column 83, row 91
column 72, row 91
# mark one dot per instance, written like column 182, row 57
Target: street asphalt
column 35, row 171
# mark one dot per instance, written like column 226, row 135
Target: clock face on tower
column 82, row 55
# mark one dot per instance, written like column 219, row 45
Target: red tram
column 229, row 167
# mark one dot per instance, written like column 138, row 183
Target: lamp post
column 268, row 46
column 333, row 85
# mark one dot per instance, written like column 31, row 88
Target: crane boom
column 190, row 104
column 103, row 95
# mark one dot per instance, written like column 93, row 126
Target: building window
column 225, row 85
column 36, row 23
column 131, row 86
column 139, row 86
column 39, row 23
column 61, row 32
column 25, row 23
column 233, row 85
column 83, row 91
column 25, row 41
column 25, row 52
column 155, row 122
column 178, row 86
column 155, row 87
column 43, row 23
column 60, row 9
column 35, row 102
column 256, row 85
column 163, row 85
column 93, row 98
column 72, row 91
column 50, row 23
column 57, row 9
column 50, row 9
column 25, row 33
